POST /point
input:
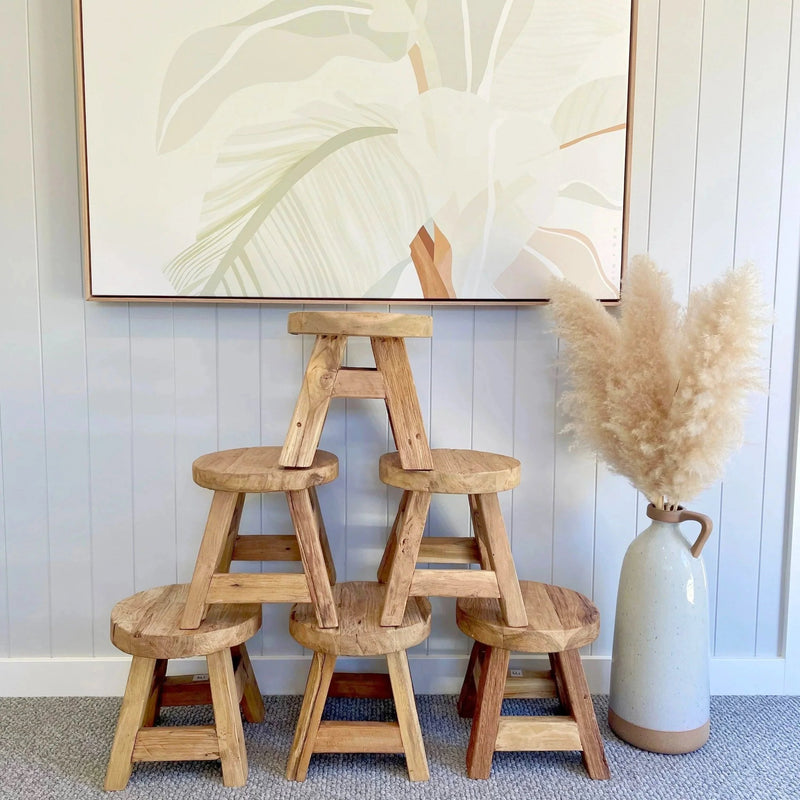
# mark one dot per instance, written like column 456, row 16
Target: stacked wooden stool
column 220, row 609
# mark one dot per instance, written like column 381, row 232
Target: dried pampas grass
column 659, row 394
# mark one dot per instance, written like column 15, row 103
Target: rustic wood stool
column 146, row 626
column 232, row 474
column 358, row 605
column 471, row 472
column 559, row 622
column 390, row 380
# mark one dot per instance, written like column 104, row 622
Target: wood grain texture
column 454, row 583
column 191, row 743
column 335, row 736
column 266, row 547
column 360, row 323
column 256, row 469
column 148, row 624
column 402, row 403
column 360, row 633
column 359, row 382
column 579, row 702
column 250, row 698
column 376, row 685
column 454, row 472
column 490, row 530
column 221, row 516
column 486, row 720
column 131, row 716
column 537, row 733
column 227, row 719
column 319, row 677
column 558, row 619
column 448, row 550
column 267, row 587
column 315, row 563
column 407, row 717
column 309, row 415
column 404, row 543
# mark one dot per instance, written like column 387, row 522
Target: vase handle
column 706, row 527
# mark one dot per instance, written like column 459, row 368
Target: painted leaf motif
column 489, row 178
column 593, row 107
column 286, row 40
column 464, row 40
column 311, row 210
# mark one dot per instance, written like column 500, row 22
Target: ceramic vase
column 659, row 697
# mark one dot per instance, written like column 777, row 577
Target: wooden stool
column 359, row 634
column 231, row 474
column 390, row 380
column 146, row 626
column 560, row 621
column 474, row 473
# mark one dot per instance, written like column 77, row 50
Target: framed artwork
column 353, row 150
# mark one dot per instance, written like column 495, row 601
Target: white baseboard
column 103, row 677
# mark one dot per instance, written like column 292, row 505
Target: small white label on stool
column 515, row 673
column 200, row 676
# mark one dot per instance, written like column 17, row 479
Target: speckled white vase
column 659, row 670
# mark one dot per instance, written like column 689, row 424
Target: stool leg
column 252, row 703
column 227, row 718
column 486, row 722
column 221, row 519
column 468, row 695
column 312, row 402
column 406, row 708
column 489, row 527
column 316, row 693
column 402, row 403
column 312, row 554
column 391, row 543
column 404, row 562
column 131, row 716
column 323, row 536
column 579, row 702
column 154, row 701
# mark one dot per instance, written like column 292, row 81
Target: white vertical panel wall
column 104, row 407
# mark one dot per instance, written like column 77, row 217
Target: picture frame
column 299, row 151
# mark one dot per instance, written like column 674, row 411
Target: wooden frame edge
column 83, row 173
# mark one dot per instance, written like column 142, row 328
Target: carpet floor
column 57, row 748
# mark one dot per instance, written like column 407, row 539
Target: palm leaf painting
column 498, row 162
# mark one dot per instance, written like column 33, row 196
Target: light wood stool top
column 358, row 607
column 361, row 323
column 256, row 469
column 558, row 619
column 454, row 472
column 148, row 624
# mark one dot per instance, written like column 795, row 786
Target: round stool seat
column 148, row 624
column 256, row 469
column 358, row 606
column 454, row 472
column 558, row 620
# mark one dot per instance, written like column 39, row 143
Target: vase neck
column 661, row 515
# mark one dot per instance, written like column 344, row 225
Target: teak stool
column 390, row 380
column 359, row 633
column 232, row 474
column 559, row 622
column 146, row 626
column 471, row 472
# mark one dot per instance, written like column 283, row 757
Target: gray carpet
column 57, row 748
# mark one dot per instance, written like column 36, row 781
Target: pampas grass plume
column 659, row 394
